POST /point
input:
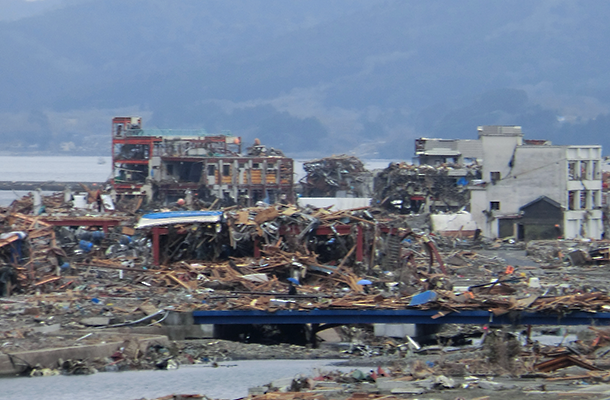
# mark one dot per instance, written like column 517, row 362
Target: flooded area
column 230, row 380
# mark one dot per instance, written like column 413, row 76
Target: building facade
column 517, row 173
column 164, row 165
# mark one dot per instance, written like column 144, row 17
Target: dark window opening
column 494, row 205
column 131, row 151
column 571, row 200
column 572, row 171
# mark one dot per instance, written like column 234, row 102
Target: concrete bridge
column 409, row 316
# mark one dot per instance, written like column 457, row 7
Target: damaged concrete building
column 516, row 187
column 532, row 189
column 164, row 165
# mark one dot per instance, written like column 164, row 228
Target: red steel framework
column 223, row 169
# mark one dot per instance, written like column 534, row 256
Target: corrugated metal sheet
column 471, row 149
column 441, row 152
column 178, row 217
column 337, row 203
column 500, row 130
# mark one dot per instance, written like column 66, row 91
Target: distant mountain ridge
column 309, row 77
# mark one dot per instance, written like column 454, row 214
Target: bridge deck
column 395, row 317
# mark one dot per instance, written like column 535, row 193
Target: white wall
column 461, row 221
column 536, row 171
column 584, row 221
column 478, row 204
column 583, row 224
column 497, row 152
column 337, row 203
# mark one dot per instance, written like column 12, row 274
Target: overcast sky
column 364, row 77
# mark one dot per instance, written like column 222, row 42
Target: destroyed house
column 164, row 165
column 526, row 184
column 436, row 181
column 414, row 189
column 336, row 176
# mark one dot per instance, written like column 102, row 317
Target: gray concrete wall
column 14, row 363
column 528, row 172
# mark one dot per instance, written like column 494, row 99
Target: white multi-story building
column 535, row 190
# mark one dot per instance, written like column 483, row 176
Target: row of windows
column 226, row 168
column 583, row 170
column 583, row 199
column 577, row 200
column 577, row 170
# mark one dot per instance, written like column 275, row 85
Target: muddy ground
column 442, row 370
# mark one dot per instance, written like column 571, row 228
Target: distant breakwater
column 50, row 186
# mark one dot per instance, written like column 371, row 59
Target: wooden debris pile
column 32, row 255
column 45, row 257
column 405, row 187
column 360, row 258
column 328, row 176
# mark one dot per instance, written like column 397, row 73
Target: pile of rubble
column 336, row 176
column 406, row 187
column 255, row 252
column 577, row 253
column 73, row 270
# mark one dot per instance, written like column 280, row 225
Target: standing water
column 231, row 380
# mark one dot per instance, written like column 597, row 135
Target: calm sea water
column 229, row 381
column 50, row 168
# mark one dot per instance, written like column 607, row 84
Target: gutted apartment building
column 165, row 165
column 532, row 189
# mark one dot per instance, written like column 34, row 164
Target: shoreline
column 53, row 186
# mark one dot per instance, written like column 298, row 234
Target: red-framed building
column 168, row 164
